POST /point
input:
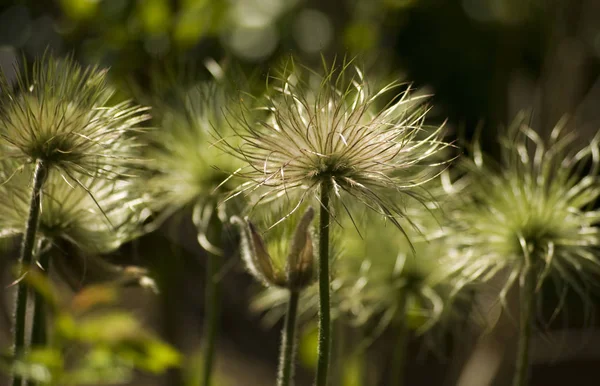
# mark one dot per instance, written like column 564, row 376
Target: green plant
column 326, row 140
column 532, row 215
column 188, row 169
column 81, row 350
column 58, row 120
column 294, row 273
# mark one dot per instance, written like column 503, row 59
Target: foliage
column 82, row 349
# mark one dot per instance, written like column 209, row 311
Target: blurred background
column 483, row 61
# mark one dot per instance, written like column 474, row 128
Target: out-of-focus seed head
column 95, row 214
column 186, row 162
column 533, row 209
column 384, row 279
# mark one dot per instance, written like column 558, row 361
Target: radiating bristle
column 335, row 133
column 94, row 213
column 534, row 208
column 61, row 115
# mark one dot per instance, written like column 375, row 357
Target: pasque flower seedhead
column 96, row 214
column 187, row 164
column 533, row 211
column 61, row 115
column 328, row 130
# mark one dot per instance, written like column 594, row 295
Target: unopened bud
column 298, row 272
column 255, row 254
column 300, row 267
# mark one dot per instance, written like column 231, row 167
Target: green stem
column 324, row 311
column 399, row 357
column 211, row 315
column 39, row 330
column 25, row 258
column 39, row 334
column 336, row 377
column 527, row 305
column 288, row 342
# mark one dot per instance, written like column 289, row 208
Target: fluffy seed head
column 385, row 279
column 95, row 214
column 328, row 130
column 187, row 164
column 533, row 210
column 62, row 116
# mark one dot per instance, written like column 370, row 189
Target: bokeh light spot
column 253, row 43
column 313, row 31
column 15, row 26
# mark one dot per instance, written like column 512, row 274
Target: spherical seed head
column 382, row 270
column 186, row 162
column 328, row 130
column 60, row 114
column 534, row 209
column 93, row 213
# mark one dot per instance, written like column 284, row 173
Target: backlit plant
column 327, row 141
column 188, row 170
column 285, row 261
column 532, row 216
column 59, row 120
column 97, row 216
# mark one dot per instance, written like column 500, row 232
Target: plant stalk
column 398, row 367
column 25, row 258
column 324, row 311
column 39, row 334
column 340, row 357
column 288, row 342
column 39, row 329
column 527, row 306
column 212, row 312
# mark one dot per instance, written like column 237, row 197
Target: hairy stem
column 39, row 331
column 398, row 367
column 527, row 305
column 336, row 377
column 212, row 310
column 324, row 311
column 288, row 342
column 25, row 259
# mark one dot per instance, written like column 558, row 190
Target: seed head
column 95, row 214
column 61, row 115
column 328, row 130
column 187, row 164
column 533, row 210
column 385, row 279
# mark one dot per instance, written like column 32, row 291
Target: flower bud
column 300, row 268
column 297, row 272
